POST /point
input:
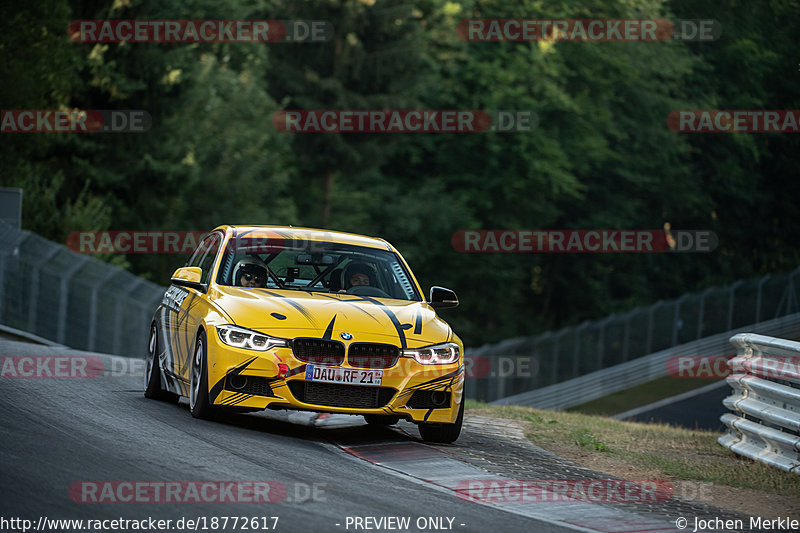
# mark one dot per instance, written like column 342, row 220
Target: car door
column 184, row 315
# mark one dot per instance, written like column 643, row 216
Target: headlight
column 439, row 354
column 247, row 339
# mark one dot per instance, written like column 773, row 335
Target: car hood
column 289, row 314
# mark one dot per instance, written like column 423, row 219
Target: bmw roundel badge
column 346, row 336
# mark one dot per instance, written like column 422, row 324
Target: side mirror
column 189, row 277
column 441, row 298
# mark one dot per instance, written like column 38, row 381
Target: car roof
column 308, row 234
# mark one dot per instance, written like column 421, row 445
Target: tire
column 198, row 384
column 443, row 433
column 152, row 372
column 382, row 420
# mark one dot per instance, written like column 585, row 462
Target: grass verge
column 658, row 449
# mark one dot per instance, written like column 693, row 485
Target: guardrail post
column 792, row 284
column 576, row 354
column 601, row 339
column 556, row 343
column 676, row 318
column 93, row 307
column 758, row 297
column 626, row 336
column 536, row 353
column 788, row 296
column 64, row 297
column 701, row 312
column 33, row 310
column 730, row 303
column 650, row 321
column 500, row 385
column 118, row 325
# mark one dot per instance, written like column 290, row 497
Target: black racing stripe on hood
column 329, row 329
column 218, row 386
column 303, row 311
column 349, row 302
column 418, row 324
column 395, row 322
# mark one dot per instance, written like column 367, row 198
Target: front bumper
column 240, row 378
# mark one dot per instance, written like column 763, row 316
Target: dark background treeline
column 601, row 157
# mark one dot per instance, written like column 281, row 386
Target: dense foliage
column 601, row 155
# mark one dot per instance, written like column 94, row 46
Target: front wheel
column 152, row 373
column 198, row 385
column 444, row 433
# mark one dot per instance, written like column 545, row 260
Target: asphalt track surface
column 56, row 432
column 59, row 432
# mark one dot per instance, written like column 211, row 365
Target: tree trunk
column 326, row 201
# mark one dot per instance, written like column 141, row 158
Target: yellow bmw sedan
column 266, row 317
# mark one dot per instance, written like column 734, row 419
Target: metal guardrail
column 575, row 351
column 595, row 385
column 765, row 422
column 72, row 299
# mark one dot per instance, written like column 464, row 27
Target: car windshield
column 314, row 266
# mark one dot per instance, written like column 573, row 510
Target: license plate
column 345, row 376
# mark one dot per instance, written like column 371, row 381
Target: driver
column 250, row 272
column 358, row 274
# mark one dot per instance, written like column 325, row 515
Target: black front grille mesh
column 372, row 355
column 335, row 395
column 318, row 351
